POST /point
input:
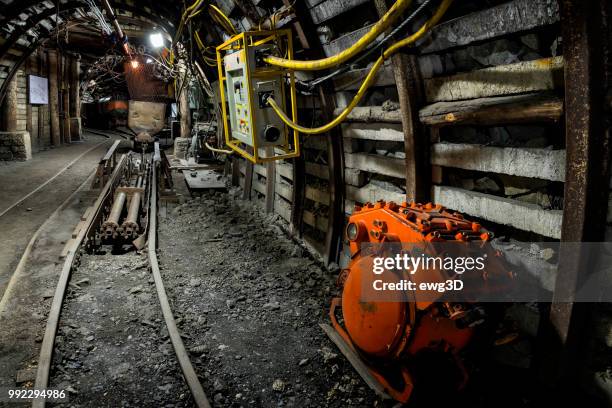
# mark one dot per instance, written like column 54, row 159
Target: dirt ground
column 112, row 348
column 25, row 303
column 249, row 302
column 20, row 178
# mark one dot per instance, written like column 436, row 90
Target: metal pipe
column 130, row 226
column 120, row 34
column 112, row 222
column 113, row 18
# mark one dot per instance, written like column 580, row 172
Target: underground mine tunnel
column 310, row 203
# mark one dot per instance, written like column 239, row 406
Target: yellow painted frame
column 241, row 42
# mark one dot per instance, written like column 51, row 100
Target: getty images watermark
column 404, row 263
column 485, row 272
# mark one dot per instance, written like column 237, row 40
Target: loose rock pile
column 112, row 348
column 250, row 302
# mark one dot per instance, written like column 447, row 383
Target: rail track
column 132, row 184
column 46, row 182
column 42, row 198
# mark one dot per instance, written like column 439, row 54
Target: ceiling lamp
column 157, row 40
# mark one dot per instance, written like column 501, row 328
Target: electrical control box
column 251, row 126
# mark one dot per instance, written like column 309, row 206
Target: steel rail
column 59, row 173
column 46, row 350
column 28, row 250
column 177, row 342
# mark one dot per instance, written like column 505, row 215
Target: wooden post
column 298, row 195
column 298, row 25
column 416, row 145
column 305, row 28
column 41, row 108
column 585, row 200
column 75, row 98
column 9, row 111
column 235, row 172
column 248, row 180
column 66, row 99
column 335, row 166
column 270, row 181
column 54, row 98
column 28, row 70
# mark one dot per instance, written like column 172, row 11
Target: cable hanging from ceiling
column 98, row 15
column 310, row 85
column 369, row 80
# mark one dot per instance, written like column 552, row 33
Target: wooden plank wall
column 499, row 124
column 473, row 84
column 493, row 108
column 33, row 118
column 282, row 190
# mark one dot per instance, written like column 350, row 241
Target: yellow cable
column 369, row 78
column 429, row 24
column 222, row 19
column 380, row 27
column 211, row 62
column 186, row 16
column 213, row 149
column 195, row 4
column 199, row 41
column 322, row 129
column 202, row 46
column 194, row 14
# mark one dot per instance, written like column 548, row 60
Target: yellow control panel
column 251, row 126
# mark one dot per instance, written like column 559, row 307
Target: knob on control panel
column 271, row 133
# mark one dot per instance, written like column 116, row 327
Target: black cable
column 313, row 83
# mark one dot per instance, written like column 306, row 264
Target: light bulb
column 157, row 40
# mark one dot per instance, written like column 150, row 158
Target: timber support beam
column 586, row 183
column 416, row 145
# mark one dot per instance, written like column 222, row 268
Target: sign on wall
column 38, row 90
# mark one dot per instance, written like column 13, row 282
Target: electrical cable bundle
column 97, row 13
column 365, row 47
column 343, row 56
column 362, row 49
column 101, row 72
column 333, row 61
column 371, row 49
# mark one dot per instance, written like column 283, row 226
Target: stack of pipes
column 111, row 225
column 130, row 228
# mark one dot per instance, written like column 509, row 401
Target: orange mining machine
column 384, row 338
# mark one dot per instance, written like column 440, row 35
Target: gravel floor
column 250, row 302
column 112, row 348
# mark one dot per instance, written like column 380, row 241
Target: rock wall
column 15, row 146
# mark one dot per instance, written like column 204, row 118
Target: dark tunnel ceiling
column 27, row 24
column 158, row 11
column 24, row 24
column 31, row 20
